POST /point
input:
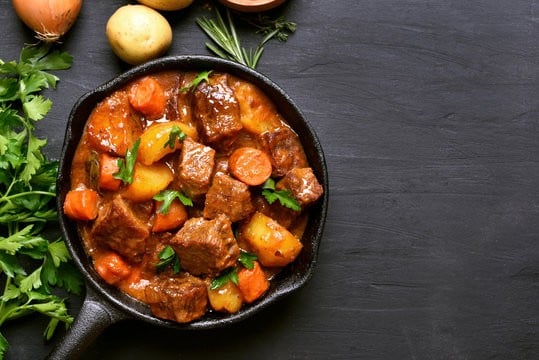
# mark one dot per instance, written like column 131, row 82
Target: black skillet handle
column 94, row 317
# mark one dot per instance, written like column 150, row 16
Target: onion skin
column 50, row 19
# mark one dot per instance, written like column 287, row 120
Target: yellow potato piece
column 153, row 141
column 138, row 33
column 227, row 298
column 148, row 181
column 257, row 114
column 167, row 5
column 271, row 242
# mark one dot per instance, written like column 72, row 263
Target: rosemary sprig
column 226, row 43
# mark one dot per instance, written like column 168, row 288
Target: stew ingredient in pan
column 190, row 192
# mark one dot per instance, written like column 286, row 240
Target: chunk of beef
column 155, row 243
column 118, row 228
column 283, row 215
column 228, row 196
column 182, row 299
column 216, row 110
column 113, row 126
column 206, row 247
column 285, row 150
column 303, row 185
column 221, row 164
column 196, row 167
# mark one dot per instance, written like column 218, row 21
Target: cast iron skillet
column 104, row 304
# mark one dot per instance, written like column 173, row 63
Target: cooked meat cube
column 221, row 164
column 155, row 243
column 196, row 168
column 303, row 185
column 113, row 126
column 216, row 110
column 182, row 299
column 284, row 216
column 228, row 196
column 206, row 247
column 285, row 150
column 118, row 228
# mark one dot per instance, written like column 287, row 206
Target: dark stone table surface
column 428, row 113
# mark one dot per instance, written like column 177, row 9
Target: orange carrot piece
column 148, row 97
column 252, row 282
column 111, row 267
column 250, row 165
column 108, row 166
column 81, row 204
column 176, row 217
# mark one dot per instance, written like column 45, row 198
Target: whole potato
column 167, row 5
column 137, row 33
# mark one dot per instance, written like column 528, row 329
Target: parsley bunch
column 30, row 263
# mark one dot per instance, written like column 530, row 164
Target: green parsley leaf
column 247, row 259
column 175, row 133
column 3, row 345
column 202, row 76
column 32, row 281
column 230, row 274
column 126, row 167
column 284, row 196
column 167, row 197
column 167, row 257
column 37, row 107
column 10, row 265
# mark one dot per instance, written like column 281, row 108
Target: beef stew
column 168, row 195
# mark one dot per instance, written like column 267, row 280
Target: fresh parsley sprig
column 168, row 257
column 30, row 263
column 167, row 196
column 126, row 168
column 231, row 274
column 247, row 259
column 201, row 76
column 175, row 133
column 284, row 196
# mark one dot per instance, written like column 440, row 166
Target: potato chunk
column 148, row 181
column 272, row 243
column 227, row 298
column 154, row 141
column 257, row 114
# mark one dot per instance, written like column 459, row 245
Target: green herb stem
column 26, row 193
column 226, row 42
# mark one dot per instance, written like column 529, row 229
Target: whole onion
column 50, row 19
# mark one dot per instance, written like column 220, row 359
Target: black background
column 428, row 115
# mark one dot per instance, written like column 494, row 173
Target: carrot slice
column 252, row 282
column 176, row 217
column 148, row 97
column 108, row 166
column 250, row 165
column 81, row 204
column 111, row 267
